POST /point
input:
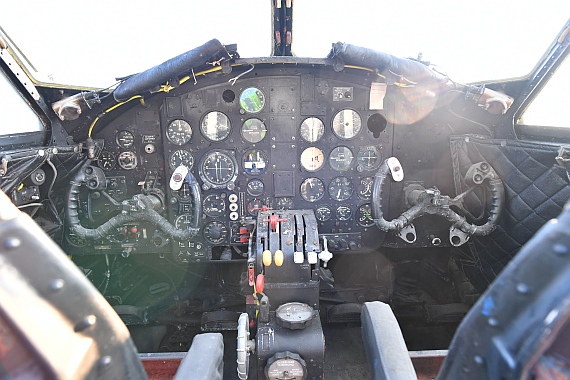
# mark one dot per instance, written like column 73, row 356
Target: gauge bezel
column 220, row 240
column 256, row 194
column 202, row 126
column 359, row 156
column 218, row 214
column 264, row 157
column 132, row 139
column 303, row 189
column 343, row 219
column 330, row 213
column 179, row 218
column 358, row 192
column 304, row 125
column 357, row 217
column 108, row 155
column 180, row 150
column 310, row 169
column 340, row 199
column 344, row 167
column 187, row 134
column 262, row 99
column 132, row 155
column 244, row 134
column 337, row 122
column 227, row 153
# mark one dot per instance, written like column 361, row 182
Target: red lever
column 260, row 283
column 250, row 274
column 273, row 220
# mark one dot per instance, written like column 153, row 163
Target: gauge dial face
column 340, row 188
column 255, row 162
column 215, row 232
column 181, row 157
column 341, row 158
column 312, row 129
column 125, row 139
column 255, row 187
column 127, row 160
column 214, row 205
column 184, row 193
column 346, row 124
column 218, row 168
column 216, row 126
column 252, row 100
column 253, row 130
column 254, row 206
column 179, row 132
column 106, row 160
column 365, row 188
column 312, row 159
column 364, row 215
column 312, row 189
column 284, row 203
column 323, row 213
column 182, row 222
column 343, row 212
column 368, row 158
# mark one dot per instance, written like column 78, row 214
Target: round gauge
column 184, row 192
column 312, row 159
column 215, row 232
column 255, row 187
column 214, row 205
column 365, row 188
column 340, row 188
column 285, row 365
column 312, row 129
column 284, row 203
column 255, row 162
column 341, row 158
column 181, row 157
column 312, row 189
column 216, row 126
column 368, row 158
column 179, row 132
column 343, row 212
column 106, row 160
column 127, row 160
column 254, row 207
column 364, row 215
column 252, row 100
column 218, row 168
column 294, row 315
column 125, row 139
column 346, row 124
column 323, row 213
column 253, row 130
column 183, row 221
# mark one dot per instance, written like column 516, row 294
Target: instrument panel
column 285, row 139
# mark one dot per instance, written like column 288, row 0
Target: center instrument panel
column 279, row 138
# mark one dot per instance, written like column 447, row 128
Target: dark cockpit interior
column 282, row 196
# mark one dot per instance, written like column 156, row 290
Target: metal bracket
column 457, row 237
column 408, row 234
column 19, row 73
column 338, row 64
column 226, row 66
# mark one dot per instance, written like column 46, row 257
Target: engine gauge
column 346, row 124
column 125, row 139
column 323, row 213
column 312, row 159
column 254, row 207
column 181, row 157
column 215, row 232
column 214, row 205
column 253, row 130
column 127, row 160
column 369, row 158
column 106, row 160
column 184, row 193
column 216, row 126
column 343, row 212
column 364, row 188
column 284, row 203
column 255, row 162
column 218, row 168
column 179, row 132
column 312, row 129
column 182, row 222
column 255, row 187
column 252, row 100
column 312, row 189
column 341, row 158
column 340, row 188
column 364, row 215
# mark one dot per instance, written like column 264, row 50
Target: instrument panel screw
column 522, row 288
column 56, row 285
column 493, row 322
column 12, row 243
column 85, row 323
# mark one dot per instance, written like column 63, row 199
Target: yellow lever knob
column 266, row 257
column 278, row 257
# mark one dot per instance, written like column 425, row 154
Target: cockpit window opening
column 16, row 115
